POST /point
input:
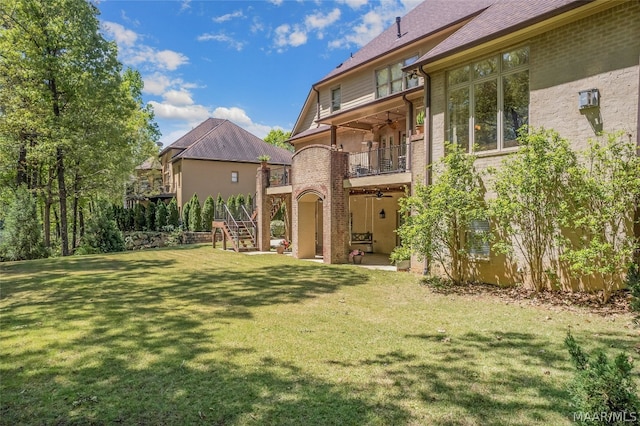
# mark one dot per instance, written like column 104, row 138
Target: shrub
column 101, row 233
column 277, row 228
column 161, row 215
column 151, row 216
column 140, row 218
column 195, row 214
column 21, row 236
column 174, row 214
column 208, row 212
column 602, row 390
column 185, row 216
column 633, row 282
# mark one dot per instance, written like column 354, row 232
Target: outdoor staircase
column 240, row 229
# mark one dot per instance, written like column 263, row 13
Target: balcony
column 280, row 176
column 378, row 161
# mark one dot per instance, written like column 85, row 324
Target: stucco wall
column 214, row 177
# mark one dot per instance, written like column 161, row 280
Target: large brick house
column 476, row 70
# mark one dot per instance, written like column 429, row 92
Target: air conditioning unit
column 589, row 98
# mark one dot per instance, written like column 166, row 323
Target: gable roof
column 221, row 140
column 501, row 18
column 425, row 19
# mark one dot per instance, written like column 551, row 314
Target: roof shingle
column 221, row 140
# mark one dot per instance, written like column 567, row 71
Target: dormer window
column 391, row 79
column 335, row 99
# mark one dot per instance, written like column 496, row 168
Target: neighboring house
column 477, row 70
column 216, row 157
column 146, row 184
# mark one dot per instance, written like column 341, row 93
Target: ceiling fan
column 388, row 122
column 379, row 194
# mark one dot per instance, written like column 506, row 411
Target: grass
column 197, row 336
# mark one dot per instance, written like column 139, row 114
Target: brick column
column 264, row 208
column 336, row 223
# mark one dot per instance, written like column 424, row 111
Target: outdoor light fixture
column 588, row 98
column 382, row 214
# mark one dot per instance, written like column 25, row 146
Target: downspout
column 427, row 125
column 408, row 130
column 317, row 104
column 427, row 138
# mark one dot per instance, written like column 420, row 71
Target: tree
column 151, row 216
column 532, row 188
column 208, row 213
column 161, row 215
column 102, row 234
column 195, row 214
column 219, row 206
column 73, row 124
column 185, row 215
column 174, row 214
column 278, row 137
column 605, row 196
column 21, row 236
column 140, row 218
column 440, row 215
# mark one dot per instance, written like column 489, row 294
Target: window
column 391, row 79
column 335, row 99
column 488, row 101
column 477, row 238
column 234, row 177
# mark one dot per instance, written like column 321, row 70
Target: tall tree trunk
column 74, row 226
column 46, row 217
column 81, row 214
column 21, row 175
column 62, row 193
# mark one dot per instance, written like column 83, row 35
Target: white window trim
column 235, row 175
column 404, row 78
column 338, row 90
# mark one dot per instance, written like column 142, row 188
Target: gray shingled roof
column 221, row 140
column 501, row 18
column 425, row 19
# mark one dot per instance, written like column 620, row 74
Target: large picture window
column 488, row 101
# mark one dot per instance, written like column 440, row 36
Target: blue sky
column 252, row 62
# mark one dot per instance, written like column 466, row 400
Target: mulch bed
column 619, row 303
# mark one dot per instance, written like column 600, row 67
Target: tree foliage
column 532, row 188
column 604, row 196
column 208, row 213
column 73, row 124
column 279, row 137
column 161, row 215
column 603, row 391
column 174, row 214
column 195, row 214
column 441, row 214
column 102, row 234
column 21, row 236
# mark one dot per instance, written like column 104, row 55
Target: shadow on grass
column 136, row 350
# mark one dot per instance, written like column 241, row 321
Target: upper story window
column 234, row 177
column 488, row 101
column 335, row 99
column 391, row 79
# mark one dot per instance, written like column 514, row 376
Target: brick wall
column 320, row 173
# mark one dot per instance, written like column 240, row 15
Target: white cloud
column 223, row 38
column 228, row 17
column 186, row 4
column 170, row 60
column 156, row 84
column 190, row 113
column 276, row 2
column 320, row 21
column 120, row 34
column 178, row 98
column 355, row 4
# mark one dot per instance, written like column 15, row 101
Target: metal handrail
column 378, row 161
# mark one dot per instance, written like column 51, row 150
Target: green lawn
column 200, row 336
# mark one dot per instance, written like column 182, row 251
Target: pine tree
column 21, row 237
column 208, row 213
column 151, row 216
column 195, row 214
column 174, row 214
column 161, row 215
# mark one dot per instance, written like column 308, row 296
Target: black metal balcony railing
column 280, row 176
column 378, row 161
